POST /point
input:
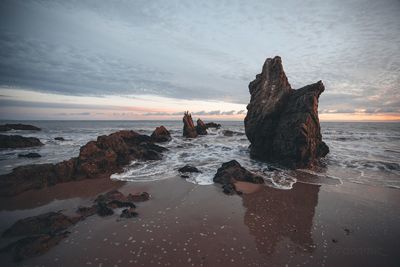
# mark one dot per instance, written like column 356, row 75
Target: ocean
column 360, row 152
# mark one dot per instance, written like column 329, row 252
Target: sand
column 184, row 224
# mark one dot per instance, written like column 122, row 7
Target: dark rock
column 188, row 126
column 87, row 211
column 228, row 189
column 29, row 155
column 33, row 245
column 17, row 141
column 347, row 231
column 107, row 155
column 227, row 133
column 271, row 169
column 188, row 168
column 282, row 124
column 103, row 210
column 129, row 213
column 201, row 128
column 120, row 204
column 59, row 138
column 185, row 176
column 161, row 134
column 18, row 126
column 232, row 171
column 230, row 133
column 144, row 196
column 47, row 223
column 213, row 125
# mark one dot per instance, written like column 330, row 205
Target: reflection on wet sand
column 74, row 189
column 273, row 215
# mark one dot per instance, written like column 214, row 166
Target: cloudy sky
column 155, row 59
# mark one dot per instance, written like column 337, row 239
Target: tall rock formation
column 189, row 130
column 282, row 124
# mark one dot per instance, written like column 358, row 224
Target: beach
column 184, row 224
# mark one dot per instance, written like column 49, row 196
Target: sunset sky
column 155, row 59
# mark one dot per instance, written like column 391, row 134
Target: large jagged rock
column 161, row 134
column 201, row 128
column 17, row 141
column 18, row 126
column 189, row 130
column 282, row 124
column 107, row 155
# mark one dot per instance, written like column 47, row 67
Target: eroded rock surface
column 17, row 141
column 201, row 128
column 107, row 155
column 189, row 130
column 282, row 124
column 230, row 172
column 161, row 134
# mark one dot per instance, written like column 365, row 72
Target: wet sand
column 184, row 224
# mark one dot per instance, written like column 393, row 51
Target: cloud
column 74, row 114
column 202, row 50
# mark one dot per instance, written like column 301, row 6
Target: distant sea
column 360, row 152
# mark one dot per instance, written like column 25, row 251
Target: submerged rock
column 17, row 141
column 188, row 168
column 107, row 155
column 129, row 213
column 282, row 124
column 231, row 172
column 59, row 138
column 29, row 155
column 213, row 125
column 47, row 223
column 18, row 126
column 32, row 246
column 201, row 128
column 189, row 130
column 161, row 134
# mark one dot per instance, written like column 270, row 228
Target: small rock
column 29, row 155
column 128, row 213
column 213, row 125
column 103, row 210
column 188, row 168
column 59, row 138
column 231, row 172
column 144, row 196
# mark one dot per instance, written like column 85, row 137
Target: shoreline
column 184, row 224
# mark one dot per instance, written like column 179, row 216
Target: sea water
column 360, row 152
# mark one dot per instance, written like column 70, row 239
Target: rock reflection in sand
column 274, row 215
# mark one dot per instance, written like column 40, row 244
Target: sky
column 127, row 60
